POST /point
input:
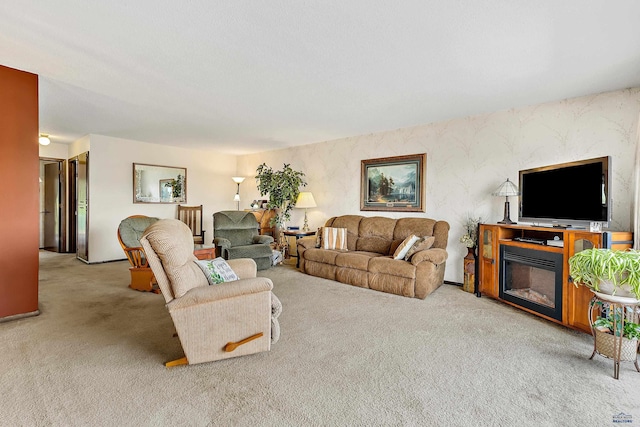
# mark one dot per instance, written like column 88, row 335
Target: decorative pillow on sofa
column 319, row 237
column 422, row 244
column 334, row 238
column 404, row 247
column 217, row 270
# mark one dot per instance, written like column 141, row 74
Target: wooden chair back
column 192, row 216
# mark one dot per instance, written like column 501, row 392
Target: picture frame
column 394, row 184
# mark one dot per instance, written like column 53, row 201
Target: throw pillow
column 334, row 238
column 319, row 237
column 217, row 270
column 422, row 244
column 405, row 246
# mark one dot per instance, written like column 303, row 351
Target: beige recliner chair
column 213, row 322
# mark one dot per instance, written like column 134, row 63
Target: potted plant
column 606, row 327
column 607, row 271
column 283, row 187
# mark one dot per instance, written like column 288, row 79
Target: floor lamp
column 236, row 198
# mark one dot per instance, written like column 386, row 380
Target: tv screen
column 570, row 194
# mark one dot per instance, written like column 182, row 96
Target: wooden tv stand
column 575, row 300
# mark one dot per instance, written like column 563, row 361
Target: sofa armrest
column 207, row 294
column 434, row 255
column 263, row 239
column 307, row 242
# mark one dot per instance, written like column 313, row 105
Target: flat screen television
column 570, row 194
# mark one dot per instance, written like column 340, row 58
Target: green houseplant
column 283, row 187
column 607, row 271
column 608, row 325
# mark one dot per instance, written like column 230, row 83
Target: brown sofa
column 369, row 263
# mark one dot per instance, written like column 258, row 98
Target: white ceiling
column 244, row 76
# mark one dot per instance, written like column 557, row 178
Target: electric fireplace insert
column 532, row 279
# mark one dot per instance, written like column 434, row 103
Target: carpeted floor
column 346, row 357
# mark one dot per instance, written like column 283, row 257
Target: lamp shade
column 305, row 200
column 507, row 189
column 236, row 198
column 237, row 179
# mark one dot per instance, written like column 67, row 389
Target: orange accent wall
column 19, row 230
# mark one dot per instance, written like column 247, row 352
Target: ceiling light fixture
column 44, row 139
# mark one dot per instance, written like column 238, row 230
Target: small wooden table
column 297, row 234
column 204, row 251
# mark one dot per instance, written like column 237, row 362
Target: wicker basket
column 604, row 346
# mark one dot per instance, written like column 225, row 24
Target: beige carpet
column 347, row 357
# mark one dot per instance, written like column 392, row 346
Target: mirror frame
column 164, row 175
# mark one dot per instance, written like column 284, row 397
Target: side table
column 614, row 345
column 297, row 234
column 204, row 251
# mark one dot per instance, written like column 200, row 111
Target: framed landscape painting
column 393, row 184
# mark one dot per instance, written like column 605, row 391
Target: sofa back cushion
column 375, row 234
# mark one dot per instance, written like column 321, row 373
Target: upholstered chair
column 235, row 234
column 213, row 322
column 129, row 232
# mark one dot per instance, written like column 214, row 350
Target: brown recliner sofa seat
column 369, row 263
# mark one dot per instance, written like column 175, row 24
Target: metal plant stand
column 615, row 346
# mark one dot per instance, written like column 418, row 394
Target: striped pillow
column 422, row 244
column 405, row 246
column 334, row 238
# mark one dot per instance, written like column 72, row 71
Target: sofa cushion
column 375, row 234
column 393, row 267
column 249, row 251
column 334, row 238
column 357, row 260
column 408, row 226
column 404, row 247
column 323, row 256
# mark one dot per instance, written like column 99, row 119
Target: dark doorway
column 52, row 205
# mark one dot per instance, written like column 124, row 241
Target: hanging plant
column 283, row 187
column 595, row 268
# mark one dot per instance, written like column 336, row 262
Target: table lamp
column 305, row 201
column 506, row 189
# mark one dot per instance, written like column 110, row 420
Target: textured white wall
column 111, row 187
column 468, row 158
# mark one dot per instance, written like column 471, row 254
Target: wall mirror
column 159, row 184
